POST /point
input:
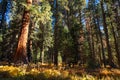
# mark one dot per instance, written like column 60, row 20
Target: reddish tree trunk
column 21, row 51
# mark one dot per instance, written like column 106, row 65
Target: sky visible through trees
column 9, row 5
column 7, row 14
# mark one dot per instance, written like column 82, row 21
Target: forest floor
column 50, row 72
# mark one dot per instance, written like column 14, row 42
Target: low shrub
column 17, row 73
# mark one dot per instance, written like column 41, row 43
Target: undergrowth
column 22, row 73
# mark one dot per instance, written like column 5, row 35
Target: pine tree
column 110, row 56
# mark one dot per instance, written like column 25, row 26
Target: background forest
column 67, row 32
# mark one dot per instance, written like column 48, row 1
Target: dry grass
column 50, row 72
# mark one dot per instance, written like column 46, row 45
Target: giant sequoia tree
column 21, row 51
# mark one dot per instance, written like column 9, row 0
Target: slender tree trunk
column 29, row 46
column 56, row 34
column 88, row 28
column 21, row 51
column 90, row 43
column 80, row 41
column 41, row 52
column 29, row 50
column 116, row 37
column 117, row 18
column 101, row 42
column 42, row 56
column 97, row 42
column 116, row 45
column 110, row 58
column 115, row 42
